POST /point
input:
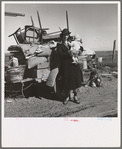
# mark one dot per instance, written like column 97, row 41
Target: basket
column 15, row 74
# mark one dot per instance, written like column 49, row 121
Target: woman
column 71, row 73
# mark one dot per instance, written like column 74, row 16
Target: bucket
column 100, row 59
column 15, row 74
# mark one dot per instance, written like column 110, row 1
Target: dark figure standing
column 71, row 73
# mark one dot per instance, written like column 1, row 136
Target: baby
column 75, row 48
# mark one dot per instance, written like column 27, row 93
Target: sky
column 97, row 24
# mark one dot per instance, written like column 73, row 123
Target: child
column 13, row 61
column 95, row 79
column 75, row 48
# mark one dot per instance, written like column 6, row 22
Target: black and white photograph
column 60, row 73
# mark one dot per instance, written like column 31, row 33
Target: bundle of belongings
column 35, row 57
column 37, row 54
column 95, row 79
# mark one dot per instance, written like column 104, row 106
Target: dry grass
column 109, row 66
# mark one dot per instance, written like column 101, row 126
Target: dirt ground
column 94, row 102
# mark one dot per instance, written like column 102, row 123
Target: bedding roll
column 33, row 61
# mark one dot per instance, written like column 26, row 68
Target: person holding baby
column 72, row 76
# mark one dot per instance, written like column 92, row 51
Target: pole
column 16, row 39
column 39, row 20
column 114, row 47
column 41, row 38
column 33, row 29
column 67, row 20
column 12, row 14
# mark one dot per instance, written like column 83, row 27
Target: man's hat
column 65, row 32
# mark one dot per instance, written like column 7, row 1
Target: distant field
column 106, row 55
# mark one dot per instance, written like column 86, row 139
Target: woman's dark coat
column 71, row 73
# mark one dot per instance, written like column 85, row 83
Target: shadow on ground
column 30, row 89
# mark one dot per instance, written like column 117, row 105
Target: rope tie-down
column 22, row 88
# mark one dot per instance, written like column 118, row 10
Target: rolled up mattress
column 46, row 51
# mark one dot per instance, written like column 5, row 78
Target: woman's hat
column 65, row 32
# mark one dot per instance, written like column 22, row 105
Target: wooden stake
column 67, row 20
column 114, row 47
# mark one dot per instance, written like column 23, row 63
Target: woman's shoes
column 72, row 97
column 66, row 101
column 76, row 100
